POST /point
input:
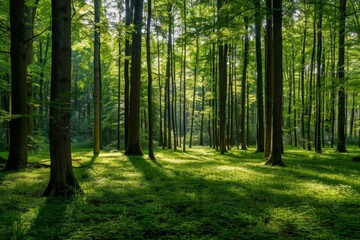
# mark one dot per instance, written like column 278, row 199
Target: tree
column 269, row 78
column 274, row 158
column 18, row 125
column 243, row 85
column 341, row 145
column 97, row 93
column 222, row 83
column 62, row 179
column 150, row 103
column 133, row 146
column 259, row 81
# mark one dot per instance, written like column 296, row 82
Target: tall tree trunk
column 118, row 97
column 276, row 145
column 184, row 80
column 311, row 85
column 222, row 83
column 269, row 78
column 168, row 78
column 243, row 85
column 128, row 13
column 303, row 141
column 194, row 92
column 161, row 142
column 150, row 103
column 341, row 145
column 133, row 147
column 62, row 180
column 18, row 125
column 294, row 93
column 259, row 81
column 318, row 83
column 352, row 114
column 201, row 143
column 333, row 89
column 97, row 78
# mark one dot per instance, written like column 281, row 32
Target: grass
column 199, row 194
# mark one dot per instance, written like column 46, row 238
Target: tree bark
column 243, row 85
column 341, row 144
column 150, row 102
column 97, row 78
column 62, row 180
column 18, row 125
column 269, row 78
column 133, row 147
column 259, row 81
column 276, row 145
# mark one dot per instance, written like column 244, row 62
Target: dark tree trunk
column 150, row 103
column 311, row 86
column 18, row 125
column 184, row 80
column 201, row 143
column 62, row 180
column 97, row 97
column 119, row 97
column 133, row 147
column 318, row 83
column 269, row 78
column 276, row 146
column 194, row 92
column 161, row 142
column 341, row 144
column 259, row 81
column 168, row 78
column 128, row 10
column 303, row 141
column 243, row 85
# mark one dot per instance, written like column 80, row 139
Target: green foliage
column 193, row 195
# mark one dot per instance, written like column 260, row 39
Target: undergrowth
column 199, row 194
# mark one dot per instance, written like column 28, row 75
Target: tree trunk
column 311, row 87
column 118, row 97
column 276, row 145
column 341, row 145
column 184, row 80
column 18, row 125
column 150, row 103
column 303, row 141
column 201, row 143
column 318, row 83
column 259, row 81
column 133, row 147
column 62, row 180
column 269, row 78
column 243, row 85
column 128, row 13
column 97, row 78
column 194, row 92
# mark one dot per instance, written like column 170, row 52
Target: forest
column 184, row 119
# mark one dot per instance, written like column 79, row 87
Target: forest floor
column 199, row 194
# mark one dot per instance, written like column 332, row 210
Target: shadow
column 50, row 219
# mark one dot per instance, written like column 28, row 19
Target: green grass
column 199, row 194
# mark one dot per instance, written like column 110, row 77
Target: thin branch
column 37, row 35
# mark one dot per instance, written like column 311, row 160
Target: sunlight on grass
column 199, row 194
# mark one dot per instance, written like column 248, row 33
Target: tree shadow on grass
column 50, row 219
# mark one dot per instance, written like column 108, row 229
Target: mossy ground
column 199, row 194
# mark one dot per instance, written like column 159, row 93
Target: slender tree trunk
column 133, row 147
column 259, row 81
column 243, row 85
column 303, row 141
column 341, row 145
column 161, row 142
column 318, row 83
column 194, row 92
column 276, row 146
column 62, row 180
column 168, row 78
column 352, row 114
column 128, row 13
column 18, row 125
column 184, row 80
column 202, row 113
column 118, row 98
column 311, row 87
column 150, row 103
column 294, row 94
column 97, row 79
column 269, row 78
